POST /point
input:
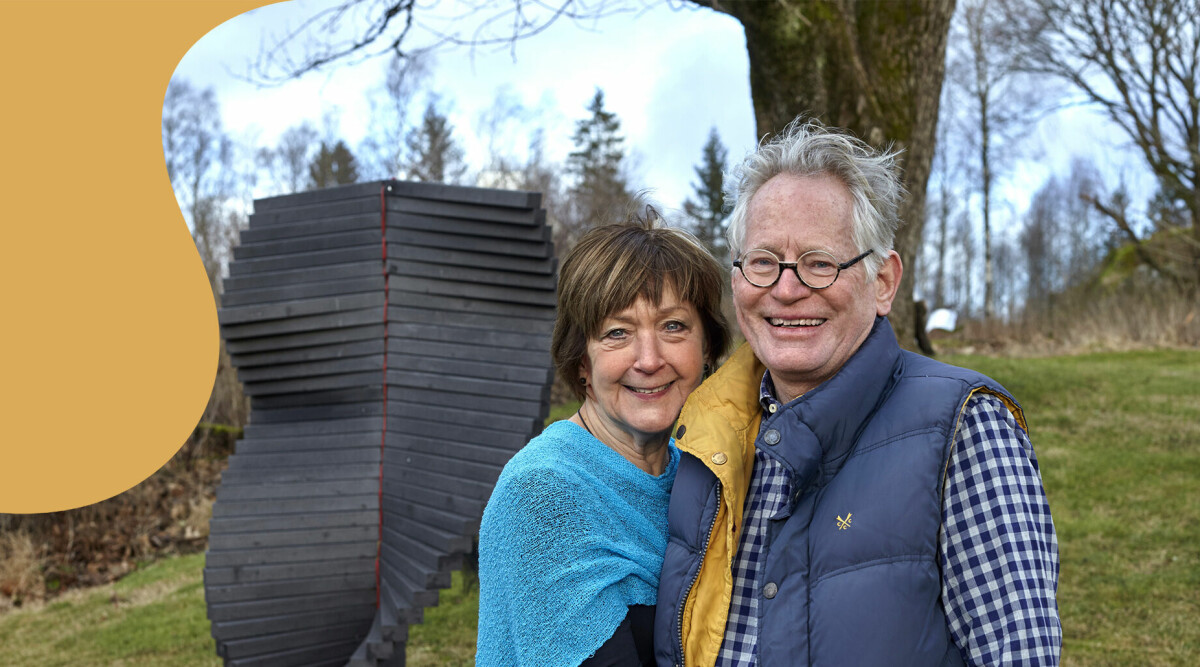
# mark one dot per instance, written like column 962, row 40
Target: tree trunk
column 874, row 67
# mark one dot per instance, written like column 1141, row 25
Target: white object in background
column 942, row 318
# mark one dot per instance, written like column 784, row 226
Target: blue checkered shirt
column 999, row 554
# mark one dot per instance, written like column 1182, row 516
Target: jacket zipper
column 688, row 591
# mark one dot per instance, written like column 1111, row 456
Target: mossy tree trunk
column 874, row 67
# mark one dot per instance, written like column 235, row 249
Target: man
column 841, row 501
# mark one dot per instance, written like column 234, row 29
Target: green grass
column 154, row 616
column 1118, row 440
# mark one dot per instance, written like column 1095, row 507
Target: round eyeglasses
column 816, row 268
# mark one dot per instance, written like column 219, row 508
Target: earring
column 583, row 382
column 707, row 370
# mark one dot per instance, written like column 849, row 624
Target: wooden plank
column 259, row 445
column 455, row 523
column 327, row 410
column 312, row 353
column 293, row 505
column 287, row 641
column 437, row 484
column 304, row 201
column 331, row 654
column 310, row 274
column 283, row 556
column 437, row 565
column 405, row 306
column 317, row 520
column 286, row 491
column 431, row 267
column 294, row 310
column 316, row 368
column 397, row 552
column 292, row 604
column 396, row 495
column 298, row 385
column 295, row 246
column 473, row 236
column 290, row 587
column 299, row 291
column 371, row 330
column 303, row 207
column 299, row 226
column 333, row 457
column 484, row 452
column 263, row 625
column 470, row 349
column 452, row 332
column 352, row 395
column 442, row 540
column 290, row 538
column 467, row 195
column 224, row 576
column 298, row 474
column 442, row 414
column 248, row 268
column 400, row 314
column 411, row 361
column 494, row 296
column 478, row 472
column 313, row 428
column 454, row 377
column 478, row 403
column 452, row 256
column 410, row 593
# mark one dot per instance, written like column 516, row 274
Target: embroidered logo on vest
column 844, row 524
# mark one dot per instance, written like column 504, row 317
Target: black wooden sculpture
column 394, row 341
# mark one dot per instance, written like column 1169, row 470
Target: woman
column 573, row 536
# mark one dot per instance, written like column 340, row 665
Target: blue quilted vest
column 852, row 572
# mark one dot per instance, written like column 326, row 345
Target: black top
column 631, row 645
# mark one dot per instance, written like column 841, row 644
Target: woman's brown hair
column 612, row 265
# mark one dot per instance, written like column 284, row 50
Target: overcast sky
column 670, row 75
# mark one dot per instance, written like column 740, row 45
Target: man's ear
column 887, row 282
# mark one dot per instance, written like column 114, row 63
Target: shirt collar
column 766, row 395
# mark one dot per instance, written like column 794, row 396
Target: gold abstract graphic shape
column 844, row 524
column 110, row 329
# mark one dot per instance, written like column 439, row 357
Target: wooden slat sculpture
column 394, row 341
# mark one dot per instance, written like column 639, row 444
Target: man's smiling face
column 804, row 336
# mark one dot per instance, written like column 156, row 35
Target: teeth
column 778, row 322
column 649, row 391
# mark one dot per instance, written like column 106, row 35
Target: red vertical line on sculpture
column 383, row 434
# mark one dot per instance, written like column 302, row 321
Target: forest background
column 1038, row 251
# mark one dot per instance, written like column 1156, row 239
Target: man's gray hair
column 808, row 148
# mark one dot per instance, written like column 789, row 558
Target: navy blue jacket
column 852, row 562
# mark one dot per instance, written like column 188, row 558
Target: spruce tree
column 332, row 166
column 434, row 155
column 707, row 211
column 599, row 193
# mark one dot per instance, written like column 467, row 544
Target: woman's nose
column 649, row 354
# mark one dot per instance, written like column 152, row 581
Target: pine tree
column 708, row 212
column 332, row 166
column 434, row 155
column 599, row 193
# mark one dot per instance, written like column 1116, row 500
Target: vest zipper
column 688, row 591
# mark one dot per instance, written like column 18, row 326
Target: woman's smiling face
column 641, row 367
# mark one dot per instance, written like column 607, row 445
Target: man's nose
column 789, row 286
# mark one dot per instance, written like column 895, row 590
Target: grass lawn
column 1118, row 440
column 154, row 616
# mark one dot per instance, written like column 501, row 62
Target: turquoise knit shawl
column 573, row 534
